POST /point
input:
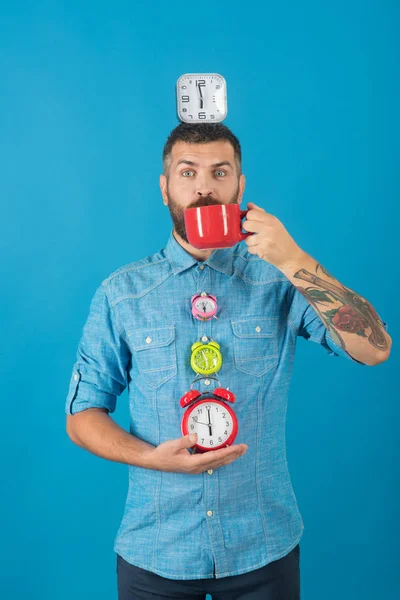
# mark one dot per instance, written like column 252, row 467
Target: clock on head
column 201, row 98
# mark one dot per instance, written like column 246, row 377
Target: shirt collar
column 221, row 259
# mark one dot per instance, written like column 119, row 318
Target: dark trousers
column 279, row 580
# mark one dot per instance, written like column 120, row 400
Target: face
column 197, row 177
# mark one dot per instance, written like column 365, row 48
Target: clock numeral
column 217, row 87
column 220, row 439
column 211, row 443
column 185, row 98
column 208, row 407
column 202, row 440
column 227, row 423
column 183, row 87
column 224, row 415
column 192, row 427
column 195, row 418
column 202, row 115
column 200, row 82
column 184, row 109
column 226, row 432
column 199, row 410
column 212, row 116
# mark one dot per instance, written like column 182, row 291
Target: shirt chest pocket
column 155, row 353
column 255, row 344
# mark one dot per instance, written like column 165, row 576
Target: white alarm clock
column 201, row 98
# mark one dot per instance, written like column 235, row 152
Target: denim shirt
column 139, row 334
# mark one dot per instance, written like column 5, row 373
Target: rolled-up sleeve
column 99, row 374
column 306, row 323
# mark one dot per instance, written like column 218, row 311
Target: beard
column 177, row 211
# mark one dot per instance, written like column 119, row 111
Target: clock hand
column 201, row 95
column 209, row 421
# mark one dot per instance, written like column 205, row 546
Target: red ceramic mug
column 215, row 225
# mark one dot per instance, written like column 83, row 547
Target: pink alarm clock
column 204, row 306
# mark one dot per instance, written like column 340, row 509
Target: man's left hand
column 271, row 241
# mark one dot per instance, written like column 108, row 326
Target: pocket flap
column 144, row 339
column 255, row 327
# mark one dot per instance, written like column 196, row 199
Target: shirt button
column 148, row 340
column 258, row 328
column 209, row 513
column 210, row 471
column 201, row 267
column 75, row 376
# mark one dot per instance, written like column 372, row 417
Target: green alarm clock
column 206, row 358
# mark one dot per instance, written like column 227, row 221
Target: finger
column 255, row 215
column 226, row 461
column 253, row 205
column 214, row 458
column 254, row 249
column 221, row 462
column 253, row 240
column 253, row 225
column 209, row 459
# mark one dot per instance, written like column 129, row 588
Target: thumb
column 187, row 440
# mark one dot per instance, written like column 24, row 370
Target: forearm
column 94, row 430
column 351, row 320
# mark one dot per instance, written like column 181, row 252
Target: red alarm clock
column 208, row 415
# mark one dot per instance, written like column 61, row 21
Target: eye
column 187, row 171
column 223, row 172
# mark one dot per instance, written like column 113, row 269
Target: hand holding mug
column 272, row 241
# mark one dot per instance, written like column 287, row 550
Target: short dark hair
column 201, row 133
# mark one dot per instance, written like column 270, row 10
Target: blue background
column 87, row 101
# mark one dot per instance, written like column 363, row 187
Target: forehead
column 204, row 154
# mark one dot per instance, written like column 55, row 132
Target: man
column 224, row 522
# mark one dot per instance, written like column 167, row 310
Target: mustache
column 203, row 202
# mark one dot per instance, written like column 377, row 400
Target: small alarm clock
column 206, row 358
column 208, row 415
column 204, row 306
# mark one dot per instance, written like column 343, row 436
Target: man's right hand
column 173, row 455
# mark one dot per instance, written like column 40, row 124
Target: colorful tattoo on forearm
column 355, row 316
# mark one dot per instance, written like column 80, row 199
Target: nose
column 204, row 192
column 204, row 185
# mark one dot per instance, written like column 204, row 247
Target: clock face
column 201, row 97
column 204, row 305
column 207, row 359
column 214, row 422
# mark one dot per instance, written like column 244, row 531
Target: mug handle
column 243, row 236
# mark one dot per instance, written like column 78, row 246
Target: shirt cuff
column 82, row 395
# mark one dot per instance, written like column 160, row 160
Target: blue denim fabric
column 255, row 518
